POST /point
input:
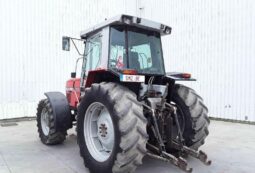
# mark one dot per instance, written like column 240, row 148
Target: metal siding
column 214, row 40
column 31, row 59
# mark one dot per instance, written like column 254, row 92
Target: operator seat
column 134, row 61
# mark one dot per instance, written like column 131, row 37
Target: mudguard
column 179, row 76
column 61, row 110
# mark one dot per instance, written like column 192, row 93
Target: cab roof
column 129, row 20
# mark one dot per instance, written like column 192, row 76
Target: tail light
column 186, row 75
column 129, row 71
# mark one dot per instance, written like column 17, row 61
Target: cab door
column 92, row 56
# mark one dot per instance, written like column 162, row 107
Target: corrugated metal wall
column 214, row 40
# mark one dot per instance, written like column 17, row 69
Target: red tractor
column 125, row 105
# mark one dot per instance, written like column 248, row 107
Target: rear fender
column 100, row 75
column 61, row 110
column 179, row 76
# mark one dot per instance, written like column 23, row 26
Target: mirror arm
column 73, row 74
column 76, row 46
column 78, row 59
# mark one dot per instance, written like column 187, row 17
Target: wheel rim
column 45, row 121
column 99, row 131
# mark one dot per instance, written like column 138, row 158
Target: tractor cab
column 125, row 42
column 123, row 49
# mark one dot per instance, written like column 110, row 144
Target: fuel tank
column 73, row 91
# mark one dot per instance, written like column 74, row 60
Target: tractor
column 124, row 104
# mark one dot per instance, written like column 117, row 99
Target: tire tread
column 198, row 112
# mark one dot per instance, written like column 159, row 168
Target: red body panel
column 73, row 91
column 73, row 88
column 92, row 75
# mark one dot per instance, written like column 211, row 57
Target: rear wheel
column 99, row 131
column 46, row 124
column 111, row 129
column 192, row 115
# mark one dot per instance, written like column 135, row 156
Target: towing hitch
column 180, row 162
column 200, row 155
column 169, row 158
column 162, row 155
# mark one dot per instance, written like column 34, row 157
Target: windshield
column 133, row 48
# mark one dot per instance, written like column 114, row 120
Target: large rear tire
column 46, row 124
column 124, row 119
column 193, row 115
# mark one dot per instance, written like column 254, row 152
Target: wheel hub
column 99, row 131
column 105, row 130
column 102, row 130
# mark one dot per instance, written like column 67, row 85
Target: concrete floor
column 230, row 146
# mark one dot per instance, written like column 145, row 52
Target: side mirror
column 66, row 43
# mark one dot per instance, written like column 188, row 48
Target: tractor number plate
column 132, row 78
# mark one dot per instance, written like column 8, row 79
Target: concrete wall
column 213, row 40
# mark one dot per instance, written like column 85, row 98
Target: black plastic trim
column 61, row 110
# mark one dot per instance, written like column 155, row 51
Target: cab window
column 118, row 58
column 93, row 52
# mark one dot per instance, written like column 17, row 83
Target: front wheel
column 46, row 124
column 111, row 129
